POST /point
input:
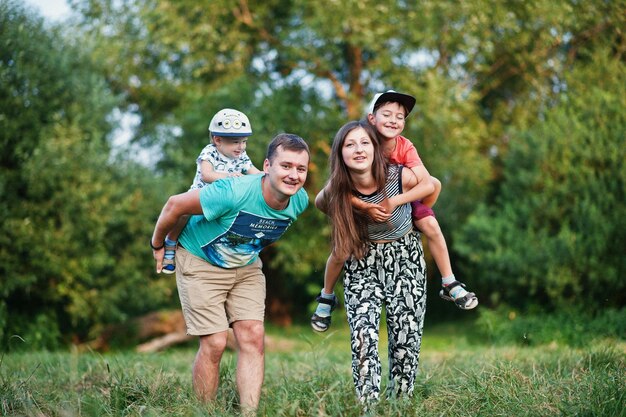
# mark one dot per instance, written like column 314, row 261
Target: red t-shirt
column 405, row 153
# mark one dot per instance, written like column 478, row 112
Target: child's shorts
column 420, row 211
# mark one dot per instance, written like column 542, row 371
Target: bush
column 551, row 239
column 572, row 328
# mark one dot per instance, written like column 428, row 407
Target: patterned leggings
column 392, row 273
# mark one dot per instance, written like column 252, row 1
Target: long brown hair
column 349, row 233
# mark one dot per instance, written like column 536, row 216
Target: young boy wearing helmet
column 224, row 157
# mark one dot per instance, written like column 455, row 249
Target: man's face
column 287, row 171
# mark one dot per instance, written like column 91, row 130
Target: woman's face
column 357, row 150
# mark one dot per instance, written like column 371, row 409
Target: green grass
column 308, row 374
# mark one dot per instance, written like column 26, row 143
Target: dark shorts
column 420, row 211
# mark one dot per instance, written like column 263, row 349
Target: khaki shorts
column 212, row 298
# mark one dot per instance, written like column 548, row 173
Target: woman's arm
column 320, row 201
column 377, row 212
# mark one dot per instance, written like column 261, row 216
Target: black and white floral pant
column 392, row 273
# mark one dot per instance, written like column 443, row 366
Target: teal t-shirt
column 237, row 222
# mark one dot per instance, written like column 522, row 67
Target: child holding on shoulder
column 387, row 112
column 224, row 157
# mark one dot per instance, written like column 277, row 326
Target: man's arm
column 176, row 206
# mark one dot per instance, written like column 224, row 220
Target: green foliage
column 477, row 68
column 73, row 218
column 567, row 327
column 450, row 137
column 553, row 237
column 520, row 115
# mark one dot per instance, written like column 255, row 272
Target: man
column 219, row 276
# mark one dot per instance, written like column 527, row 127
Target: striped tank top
column 400, row 221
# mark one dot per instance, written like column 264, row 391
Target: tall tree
column 73, row 219
column 480, row 70
column 497, row 64
column 555, row 236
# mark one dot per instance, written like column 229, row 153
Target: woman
column 385, row 260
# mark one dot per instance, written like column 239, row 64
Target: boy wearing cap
column 224, row 157
column 387, row 112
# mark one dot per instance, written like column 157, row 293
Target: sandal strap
column 450, row 286
column 465, row 299
column 331, row 302
column 321, row 320
column 467, row 296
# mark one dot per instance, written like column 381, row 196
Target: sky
column 54, row 10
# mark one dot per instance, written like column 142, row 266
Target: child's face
column 231, row 147
column 388, row 119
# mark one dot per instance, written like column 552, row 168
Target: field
column 308, row 374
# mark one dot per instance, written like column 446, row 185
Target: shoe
column 169, row 265
column 467, row 302
column 319, row 323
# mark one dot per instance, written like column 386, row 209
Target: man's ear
column 266, row 165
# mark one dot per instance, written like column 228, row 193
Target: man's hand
column 158, row 255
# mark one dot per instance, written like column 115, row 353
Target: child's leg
column 327, row 301
column 333, row 269
column 431, row 199
column 169, row 260
column 453, row 290
column 429, row 226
